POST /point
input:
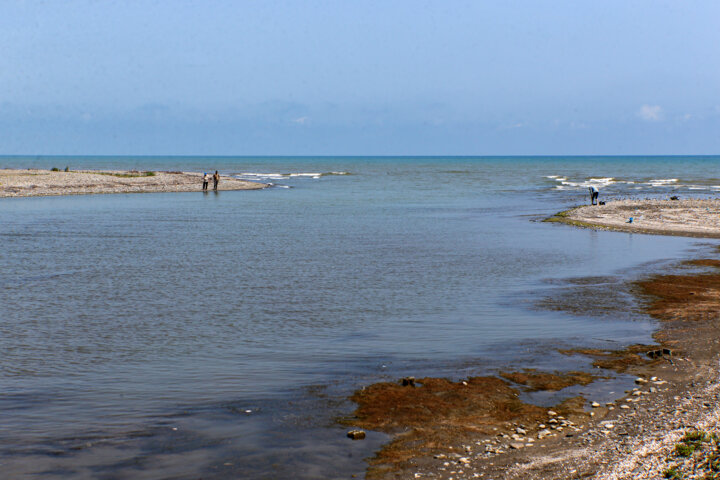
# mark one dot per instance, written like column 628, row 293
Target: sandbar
column 689, row 218
column 36, row 183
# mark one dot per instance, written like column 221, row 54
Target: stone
column 640, row 380
column 464, row 460
column 356, row 434
column 521, row 431
column 624, row 407
column 517, row 445
column 551, row 413
column 408, row 382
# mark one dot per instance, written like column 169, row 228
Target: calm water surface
column 217, row 335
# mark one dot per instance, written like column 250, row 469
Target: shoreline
column 479, row 428
column 41, row 183
column 687, row 218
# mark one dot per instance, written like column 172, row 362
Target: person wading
column 216, row 179
column 206, row 178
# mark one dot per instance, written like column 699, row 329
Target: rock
column 624, row 407
column 521, row 431
column 640, row 380
column 356, row 434
column 543, row 433
column 464, row 460
column 517, row 445
column 408, row 382
column 551, row 413
column 595, row 404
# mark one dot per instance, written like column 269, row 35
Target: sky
column 451, row 77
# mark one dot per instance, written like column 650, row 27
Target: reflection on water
column 179, row 333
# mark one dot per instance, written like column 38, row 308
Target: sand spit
column 479, row 428
column 691, row 218
column 35, row 183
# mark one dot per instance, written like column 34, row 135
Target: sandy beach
column 693, row 218
column 35, row 183
column 666, row 424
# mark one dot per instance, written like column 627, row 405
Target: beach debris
column 661, row 353
column 674, row 197
column 356, row 434
column 630, row 220
column 408, row 382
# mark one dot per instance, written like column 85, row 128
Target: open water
column 191, row 335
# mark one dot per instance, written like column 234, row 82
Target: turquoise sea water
column 187, row 335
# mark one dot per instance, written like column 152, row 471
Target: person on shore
column 216, row 179
column 593, row 195
column 206, row 179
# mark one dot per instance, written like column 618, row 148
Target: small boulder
column 356, row 434
column 408, row 382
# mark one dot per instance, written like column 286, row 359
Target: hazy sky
column 395, row 77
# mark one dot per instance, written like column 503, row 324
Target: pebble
column 551, row 413
column 517, row 445
column 521, row 431
column 595, row 404
column 625, row 407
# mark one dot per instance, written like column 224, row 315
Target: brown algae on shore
column 437, row 413
column 535, row 380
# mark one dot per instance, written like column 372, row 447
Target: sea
column 219, row 335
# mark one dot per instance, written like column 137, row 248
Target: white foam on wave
column 591, row 182
column 285, row 176
column 662, row 182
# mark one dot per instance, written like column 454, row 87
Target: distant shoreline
column 39, row 183
column 687, row 218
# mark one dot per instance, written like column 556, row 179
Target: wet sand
column 693, row 218
column 479, row 428
column 33, row 183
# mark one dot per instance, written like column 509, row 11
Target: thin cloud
column 650, row 113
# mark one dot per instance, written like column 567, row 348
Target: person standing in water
column 593, row 195
column 216, row 179
column 206, row 178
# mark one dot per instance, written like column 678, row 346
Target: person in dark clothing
column 216, row 179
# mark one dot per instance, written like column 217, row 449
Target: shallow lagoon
column 180, row 335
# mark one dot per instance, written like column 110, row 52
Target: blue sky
column 359, row 77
